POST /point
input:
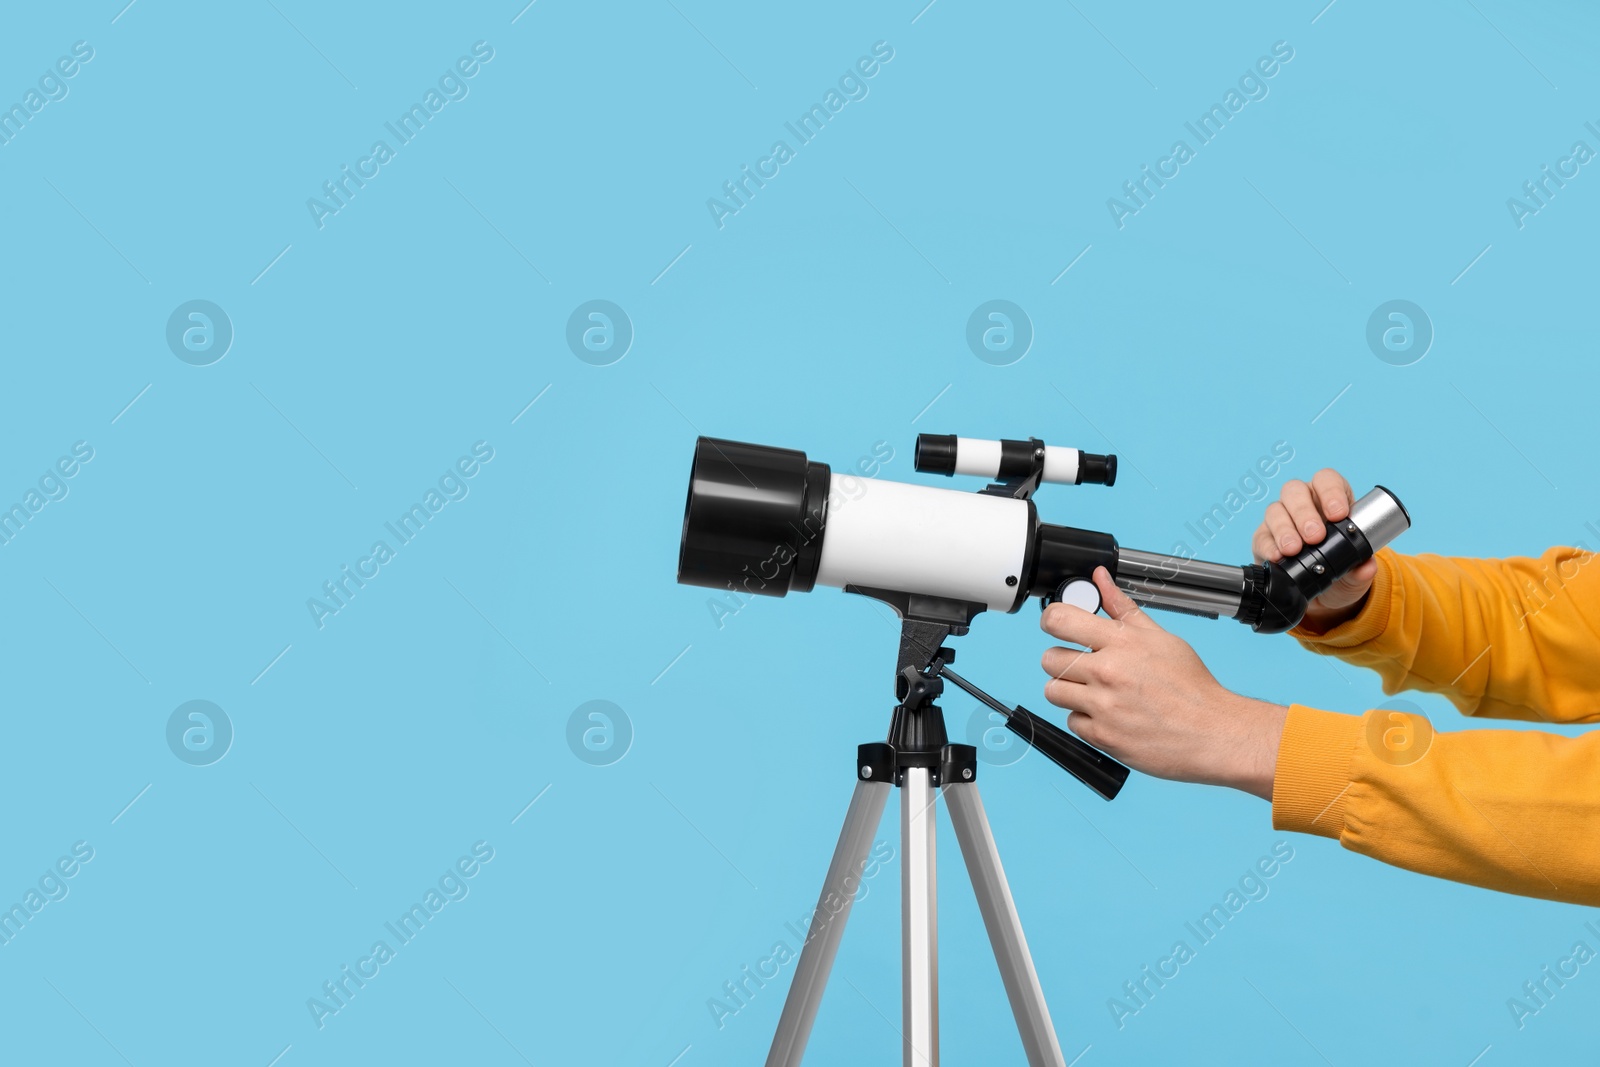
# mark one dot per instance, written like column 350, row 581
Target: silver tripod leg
column 1005, row 928
column 827, row 923
column 919, row 919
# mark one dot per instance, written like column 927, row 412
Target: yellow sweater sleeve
column 1513, row 811
column 1501, row 638
column 1509, row 810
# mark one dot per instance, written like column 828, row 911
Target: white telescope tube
column 915, row 538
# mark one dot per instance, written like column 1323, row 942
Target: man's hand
column 1295, row 520
column 1142, row 695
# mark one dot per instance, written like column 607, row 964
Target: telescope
column 770, row 521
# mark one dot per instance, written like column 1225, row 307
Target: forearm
column 1510, row 638
column 1512, row 811
column 1248, row 759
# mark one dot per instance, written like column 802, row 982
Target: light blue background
column 825, row 316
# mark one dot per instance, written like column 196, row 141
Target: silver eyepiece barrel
column 1161, row 569
column 1192, row 600
column 1380, row 517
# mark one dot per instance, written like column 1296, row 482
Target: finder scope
column 1006, row 460
column 768, row 520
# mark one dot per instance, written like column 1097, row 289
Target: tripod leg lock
column 875, row 763
column 958, row 765
column 879, row 762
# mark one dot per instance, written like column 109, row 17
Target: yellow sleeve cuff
column 1368, row 623
column 1312, row 781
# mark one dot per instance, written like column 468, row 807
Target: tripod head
column 917, row 735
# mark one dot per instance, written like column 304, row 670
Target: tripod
column 919, row 759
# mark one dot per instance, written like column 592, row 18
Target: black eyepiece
column 1096, row 470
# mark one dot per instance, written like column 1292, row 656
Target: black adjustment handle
column 1083, row 761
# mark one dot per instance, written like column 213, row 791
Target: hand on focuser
column 1295, row 520
column 1141, row 695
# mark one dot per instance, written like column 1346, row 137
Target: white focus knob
column 1080, row 593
